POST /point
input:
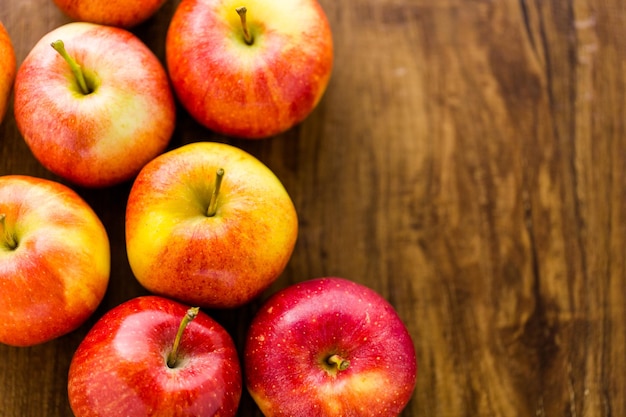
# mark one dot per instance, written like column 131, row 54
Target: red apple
column 7, row 69
column 252, row 76
column 99, row 131
column 120, row 13
column 329, row 347
column 146, row 358
column 54, row 260
column 205, row 239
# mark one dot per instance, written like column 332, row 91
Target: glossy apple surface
column 104, row 137
column 120, row 369
column 122, row 13
column 249, row 91
column 54, row 260
column 7, row 69
column 224, row 260
column 329, row 347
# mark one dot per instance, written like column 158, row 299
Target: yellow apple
column 205, row 239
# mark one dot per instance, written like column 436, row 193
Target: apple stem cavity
column 247, row 37
column 9, row 239
column 337, row 361
column 172, row 358
column 219, row 175
column 59, row 46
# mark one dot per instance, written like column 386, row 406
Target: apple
column 7, row 69
column 119, row 13
column 151, row 356
column 329, row 347
column 95, row 106
column 210, row 225
column 249, row 69
column 54, row 260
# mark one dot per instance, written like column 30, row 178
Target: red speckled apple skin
column 300, row 327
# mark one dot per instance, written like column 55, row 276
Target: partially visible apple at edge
column 54, row 260
column 250, row 69
column 7, row 69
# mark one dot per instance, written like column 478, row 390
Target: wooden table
column 468, row 162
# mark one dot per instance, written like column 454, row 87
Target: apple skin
column 120, row 368
column 298, row 328
column 249, row 91
column 176, row 250
column 7, row 69
column 105, row 137
column 121, row 13
column 59, row 272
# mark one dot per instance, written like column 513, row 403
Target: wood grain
column 468, row 161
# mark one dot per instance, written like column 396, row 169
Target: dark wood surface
column 468, row 161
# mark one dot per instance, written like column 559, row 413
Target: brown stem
column 219, row 175
column 244, row 24
column 336, row 360
column 9, row 239
column 172, row 358
column 59, row 46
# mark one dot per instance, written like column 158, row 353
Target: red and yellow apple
column 210, row 225
column 54, row 260
column 7, row 69
column 120, row 13
column 98, row 108
column 151, row 356
column 252, row 71
column 329, row 347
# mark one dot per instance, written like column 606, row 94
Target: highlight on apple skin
column 93, row 103
column 209, row 224
column 54, row 260
column 329, row 347
column 250, row 69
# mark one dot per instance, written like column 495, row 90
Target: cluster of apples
column 207, row 224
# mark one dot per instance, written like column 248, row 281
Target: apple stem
column 219, row 175
column 191, row 314
column 9, row 238
column 244, row 24
column 336, row 360
column 59, row 46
